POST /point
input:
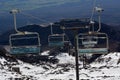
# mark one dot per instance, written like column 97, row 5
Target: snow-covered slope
column 106, row 67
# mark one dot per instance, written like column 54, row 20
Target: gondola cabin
column 24, row 43
column 93, row 43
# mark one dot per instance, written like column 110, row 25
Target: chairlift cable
column 92, row 14
column 34, row 17
column 93, row 10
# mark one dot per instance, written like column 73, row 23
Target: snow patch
column 65, row 58
column 45, row 53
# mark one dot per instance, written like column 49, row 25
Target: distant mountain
column 114, row 35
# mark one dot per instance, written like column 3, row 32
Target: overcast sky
column 31, row 4
column 53, row 10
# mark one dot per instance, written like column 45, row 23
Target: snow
column 6, row 75
column 45, row 53
column 106, row 67
column 110, row 59
column 66, row 58
column 2, row 60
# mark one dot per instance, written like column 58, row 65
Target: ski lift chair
column 89, row 41
column 24, row 43
column 57, row 40
column 93, row 43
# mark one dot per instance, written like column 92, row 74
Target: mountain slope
column 105, row 67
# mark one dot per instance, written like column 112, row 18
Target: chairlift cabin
column 93, row 43
column 24, row 43
column 58, row 40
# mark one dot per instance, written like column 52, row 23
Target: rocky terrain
column 105, row 67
